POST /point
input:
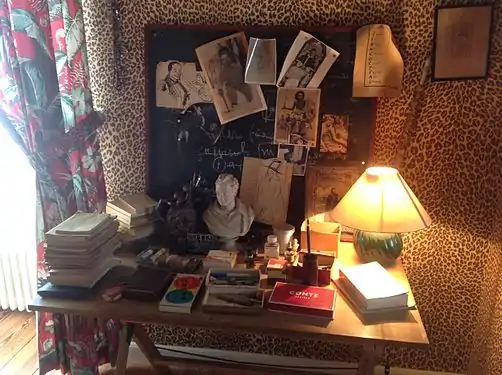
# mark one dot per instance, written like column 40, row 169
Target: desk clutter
column 81, row 251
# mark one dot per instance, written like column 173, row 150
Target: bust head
column 227, row 187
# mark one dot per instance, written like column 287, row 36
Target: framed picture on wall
column 462, row 35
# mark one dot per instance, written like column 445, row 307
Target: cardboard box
column 324, row 236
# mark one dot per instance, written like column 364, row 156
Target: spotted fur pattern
column 452, row 164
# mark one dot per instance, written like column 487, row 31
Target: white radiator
column 18, row 279
column 18, row 242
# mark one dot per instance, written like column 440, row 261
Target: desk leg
column 368, row 360
column 147, row 347
column 123, row 352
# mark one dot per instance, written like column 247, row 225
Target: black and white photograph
column 334, row 134
column 306, row 63
column 223, row 62
column 296, row 155
column 179, row 85
column 296, row 116
column 261, row 63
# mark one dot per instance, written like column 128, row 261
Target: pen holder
column 310, row 266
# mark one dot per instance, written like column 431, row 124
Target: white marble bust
column 228, row 218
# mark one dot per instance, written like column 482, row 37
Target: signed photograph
column 296, row 116
column 334, row 134
column 179, row 85
column 462, row 36
column 326, row 186
column 261, row 63
column 223, row 62
column 306, row 63
column 295, row 155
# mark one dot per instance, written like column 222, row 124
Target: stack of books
column 371, row 289
column 135, row 215
column 80, row 250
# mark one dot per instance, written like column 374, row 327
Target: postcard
column 261, row 63
column 223, row 62
column 306, row 63
column 296, row 116
column 179, row 85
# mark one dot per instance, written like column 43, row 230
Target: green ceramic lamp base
column 384, row 248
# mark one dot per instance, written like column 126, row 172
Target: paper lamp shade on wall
column 380, row 206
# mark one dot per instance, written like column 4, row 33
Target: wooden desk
column 346, row 327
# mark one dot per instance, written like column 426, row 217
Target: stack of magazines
column 80, row 249
column 135, row 214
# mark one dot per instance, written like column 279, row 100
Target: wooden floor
column 18, row 352
column 18, row 344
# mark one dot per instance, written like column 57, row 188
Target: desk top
column 401, row 328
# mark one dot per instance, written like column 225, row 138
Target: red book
column 303, row 299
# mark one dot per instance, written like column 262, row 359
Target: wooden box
column 324, row 236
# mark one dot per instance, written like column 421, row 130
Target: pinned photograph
column 334, row 134
column 296, row 116
column 306, row 63
column 179, row 85
column 223, row 62
column 261, row 63
column 295, row 155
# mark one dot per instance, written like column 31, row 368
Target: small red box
column 303, row 299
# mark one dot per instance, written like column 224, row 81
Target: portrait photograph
column 462, row 35
column 179, row 85
column 306, row 63
column 326, row 186
column 296, row 116
column 261, row 63
column 223, row 62
column 295, row 155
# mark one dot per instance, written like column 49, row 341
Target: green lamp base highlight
column 384, row 248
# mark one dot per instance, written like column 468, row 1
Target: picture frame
column 462, row 42
column 325, row 186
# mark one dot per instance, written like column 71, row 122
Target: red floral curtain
column 45, row 103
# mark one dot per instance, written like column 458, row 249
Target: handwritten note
column 378, row 69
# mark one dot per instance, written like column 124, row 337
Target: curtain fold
column 46, row 106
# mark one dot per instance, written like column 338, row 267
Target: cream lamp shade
column 381, row 201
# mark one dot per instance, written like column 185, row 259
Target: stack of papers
column 135, row 215
column 80, row 250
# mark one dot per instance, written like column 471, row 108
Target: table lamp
column 380, row 206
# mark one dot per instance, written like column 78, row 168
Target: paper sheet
column 306, row 63
column 378, row 67
column 261, row 62
column 265, row 186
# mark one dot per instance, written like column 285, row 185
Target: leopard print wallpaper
column 453, row 164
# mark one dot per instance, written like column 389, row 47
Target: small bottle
column 271, row 247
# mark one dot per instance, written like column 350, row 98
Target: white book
column 373, row 286
column 82, row 223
